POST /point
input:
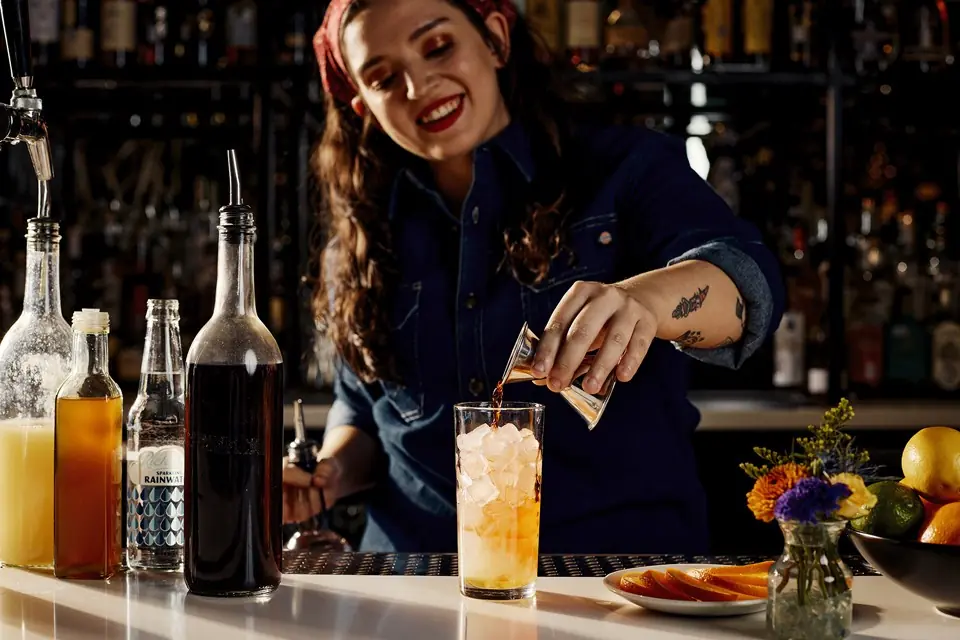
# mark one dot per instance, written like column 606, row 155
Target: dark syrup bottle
column 234, row 429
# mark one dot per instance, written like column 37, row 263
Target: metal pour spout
column 22, row 120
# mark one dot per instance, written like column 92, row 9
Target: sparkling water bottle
column 155, row 460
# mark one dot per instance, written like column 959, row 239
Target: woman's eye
column 380, row 84
column 437, row 47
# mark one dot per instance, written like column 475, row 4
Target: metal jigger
column 314, row 533
column 590, row 406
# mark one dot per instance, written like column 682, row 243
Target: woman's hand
column 301, row 490
column 592, row 316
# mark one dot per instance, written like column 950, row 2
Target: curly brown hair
column 355, row 163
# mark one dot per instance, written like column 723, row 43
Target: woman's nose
column 418, row 83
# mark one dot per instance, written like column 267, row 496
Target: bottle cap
column 43, row 230
column 91, row 321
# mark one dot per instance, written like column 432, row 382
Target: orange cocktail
column 26, row 493
column 499, row 466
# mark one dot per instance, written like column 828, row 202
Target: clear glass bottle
column 34, row 361
column 234, row 428
column 88, row 457
column 155, row 460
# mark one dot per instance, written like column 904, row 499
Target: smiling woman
column 461, row 203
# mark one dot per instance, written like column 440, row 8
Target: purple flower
column 809, row 500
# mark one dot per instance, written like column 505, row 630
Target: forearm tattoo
column 689, row 338
column 691, row 304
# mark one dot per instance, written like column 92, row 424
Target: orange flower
column 768, row 488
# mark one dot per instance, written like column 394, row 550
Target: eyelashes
column 434, row 48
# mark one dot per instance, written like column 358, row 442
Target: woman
column 461, row 205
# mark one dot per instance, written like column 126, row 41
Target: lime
column 897, row 514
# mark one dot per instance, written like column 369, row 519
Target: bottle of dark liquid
column 118, row 32
column 77, row 44
column 234, row 428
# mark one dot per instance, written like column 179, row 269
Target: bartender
column 462, row 203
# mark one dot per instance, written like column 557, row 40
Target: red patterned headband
column 326, row 43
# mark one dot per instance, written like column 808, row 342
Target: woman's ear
column 499, row 28
column 358, row 107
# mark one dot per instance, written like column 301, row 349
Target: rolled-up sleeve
column 673, row 215
column 353, row 403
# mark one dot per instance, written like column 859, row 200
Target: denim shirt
column 631, row 484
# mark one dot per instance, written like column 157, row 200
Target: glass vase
column 809, row 586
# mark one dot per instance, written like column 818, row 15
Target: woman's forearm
column 355, row 453
column 696, row 304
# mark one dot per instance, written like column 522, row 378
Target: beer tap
column 22, row 120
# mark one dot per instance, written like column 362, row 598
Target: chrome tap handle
column 16, row 29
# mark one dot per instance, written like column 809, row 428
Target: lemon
column 931, row 463
column 897, row 514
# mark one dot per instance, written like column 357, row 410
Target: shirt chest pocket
column 406, row 397
column 593, row 242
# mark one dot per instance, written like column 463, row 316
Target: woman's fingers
column 296, row 477
column 585, row 330
column 636, row 350
column 556, row 329
column 620, row 330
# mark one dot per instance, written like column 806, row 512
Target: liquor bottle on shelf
column 34, row 360
column 868, row 313
column 927, row 43
column 625, row 36
column 234, row 428
column 294, row 42
column 77, row 45
column 242, row 33
column 154, row 40
column 155, row 458
column 876, row 36
column 678, row 42
column 757, row 18
column 905, row 345
column 583, row 33
column 118, row 33
column 208, row 51
column 945, row 341
column 44, row 31
column 717, row 20
column 544, row 17
column 802, row 44
column 88, row 458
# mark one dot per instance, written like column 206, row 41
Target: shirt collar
column 513, row 142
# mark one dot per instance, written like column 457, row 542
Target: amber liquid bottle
column 88, row 454
column 234, row 429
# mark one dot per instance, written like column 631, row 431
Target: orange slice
column 644, row 584
column 668, row 584
column 733, row 583
column 759, row 567
column 701, row 590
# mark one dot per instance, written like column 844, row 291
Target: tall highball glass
column 499, row 466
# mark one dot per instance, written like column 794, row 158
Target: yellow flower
column 768, row 488
column 860, row 502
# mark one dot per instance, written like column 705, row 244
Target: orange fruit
column 644, row 584
column 701, row 590
column 929, row 510
column 734, row 583
column 759, row 567
column 944, row 526
column 668, row 584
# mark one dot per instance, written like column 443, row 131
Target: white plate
column 682, row 607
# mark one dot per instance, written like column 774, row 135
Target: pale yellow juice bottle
column 26, row 493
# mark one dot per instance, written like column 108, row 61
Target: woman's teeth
column 442, row 111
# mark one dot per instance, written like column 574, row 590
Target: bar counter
column 411, row 596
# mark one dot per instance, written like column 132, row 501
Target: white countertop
column 157, row 607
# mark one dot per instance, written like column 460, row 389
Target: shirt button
column 476, row 386
column 471, row 301
column 605, row 238
column 476, row 215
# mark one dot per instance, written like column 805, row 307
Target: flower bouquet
column 812, row 491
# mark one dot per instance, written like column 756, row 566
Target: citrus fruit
column 897, row 514
column 944, row 527
column 929, row 510
column 931, row 464
column 736, row 583
column 701, row 590
column 670, row 586
column 644, row 584
column 738, row 570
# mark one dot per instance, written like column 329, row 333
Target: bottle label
column 155, row 497
column 544, row 16
column 583, row 24
column 866, row 354
column 946, row 355
column 44, row 21
column 758, row 27
column 718, row 28
column 119, row 26
column 77, row 44
column 242, row 27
